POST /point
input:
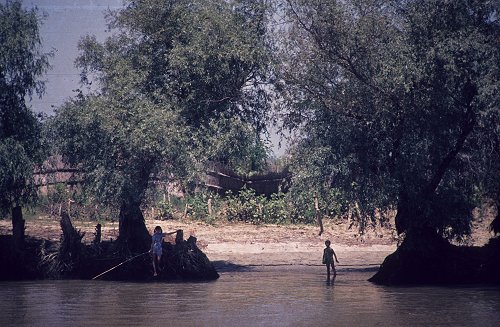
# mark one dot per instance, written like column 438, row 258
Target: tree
column 22, row 63
column 233, row 143
column 169, row 71
column 397, row 102
column 211, row 57
column 120, row 146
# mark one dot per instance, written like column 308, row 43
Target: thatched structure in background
column 218, row 178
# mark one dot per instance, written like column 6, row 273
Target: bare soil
column 254, row 245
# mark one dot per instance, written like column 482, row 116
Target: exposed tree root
column 429, row 259
column 70, row 259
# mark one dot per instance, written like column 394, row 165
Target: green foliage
column 206, row 57
column 177, row 82
column 120, row 144
column 21, row 65
column 21, row 59
column 58, row 194
column 275, row 210
column 234, row 143
column 396, row 103
column 16, row 171
column 198, row 206
column 245, row 206
column 166, row 210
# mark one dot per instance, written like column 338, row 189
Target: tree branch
column 445, row 163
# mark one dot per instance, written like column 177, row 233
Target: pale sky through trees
column 66, row 22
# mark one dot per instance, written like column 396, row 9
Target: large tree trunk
column 18, row 227
column 134, row 236
column 410, row 216
column 495, row 224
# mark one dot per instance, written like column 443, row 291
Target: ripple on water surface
column 259, row 296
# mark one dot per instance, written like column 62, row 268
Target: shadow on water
column 227, row 266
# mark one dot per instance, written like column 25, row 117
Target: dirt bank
column 247, row 244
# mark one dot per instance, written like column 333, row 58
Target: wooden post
column 18, row 226
column 97, row 238
column 209, row 204
column 179, row 236
column 69, row 207
column 318, row 215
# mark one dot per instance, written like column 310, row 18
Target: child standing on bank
column 328, row 255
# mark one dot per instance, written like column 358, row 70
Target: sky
column 66, row 22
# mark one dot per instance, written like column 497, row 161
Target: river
column 253, row 296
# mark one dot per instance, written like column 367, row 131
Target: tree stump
column 97, row 234
column 18, row 227
column 71, row 241
column 179, row 236
column 133, row 234
column 186, row 261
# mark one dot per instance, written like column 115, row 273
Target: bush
column 276, row 209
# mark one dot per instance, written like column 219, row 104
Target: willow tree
column 22, row 64
column 170, row 70
column 397, row 104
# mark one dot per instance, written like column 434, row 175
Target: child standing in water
column 328, row 255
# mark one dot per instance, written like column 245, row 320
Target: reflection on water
column 272, row 296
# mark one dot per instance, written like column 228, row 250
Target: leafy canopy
column 397, row 102
column 169, row 72
column 22, row 63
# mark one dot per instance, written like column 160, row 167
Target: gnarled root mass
column 71, row 259
column 429, row 259
column 180, row 261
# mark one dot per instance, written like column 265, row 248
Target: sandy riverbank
column 293, row 245
column 254, row 245
column 247, row 244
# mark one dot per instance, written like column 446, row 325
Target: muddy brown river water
column 252, row 296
